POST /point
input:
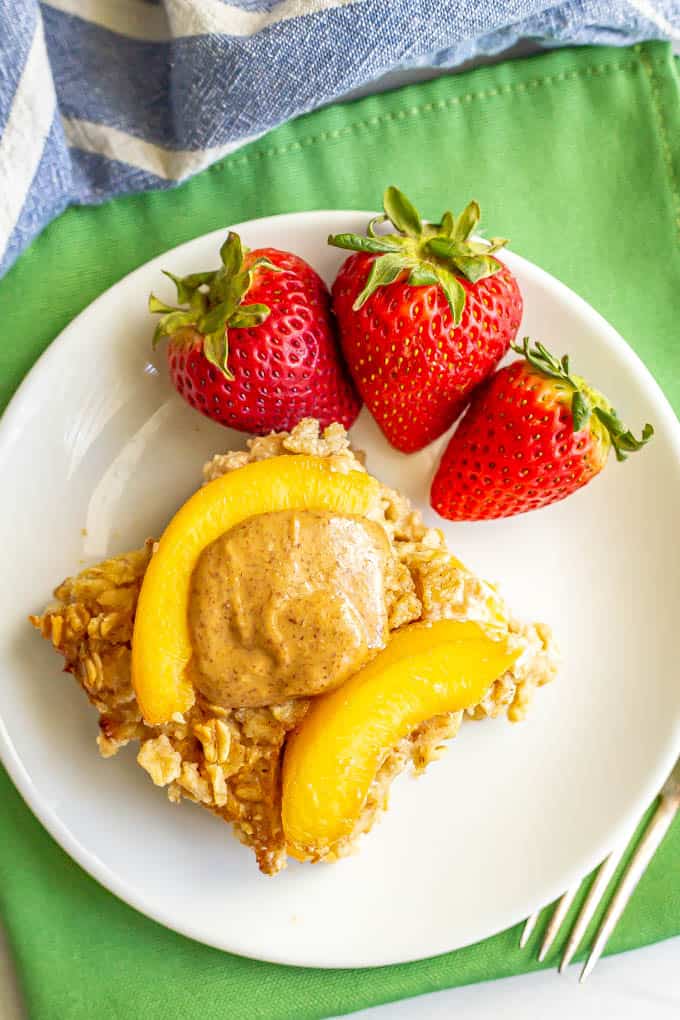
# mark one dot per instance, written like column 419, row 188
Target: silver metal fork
column 668, row 807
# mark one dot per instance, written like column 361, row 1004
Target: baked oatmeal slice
column 229, row 759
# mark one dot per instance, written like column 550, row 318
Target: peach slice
column 331, row 760
column 161, row 645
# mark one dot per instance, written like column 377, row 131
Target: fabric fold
column 156, row 92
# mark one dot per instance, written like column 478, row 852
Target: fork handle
column 666, row 811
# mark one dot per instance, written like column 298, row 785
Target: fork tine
column 528, row 928
column 593, row 899
column 559, row 914
column 655, row 832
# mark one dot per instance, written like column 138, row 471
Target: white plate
column 96, row 439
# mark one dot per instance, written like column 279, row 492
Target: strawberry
column 425, row 314
column 262, row 366
column 533, row 434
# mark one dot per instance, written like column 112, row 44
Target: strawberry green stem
column 211, row 302
column 431, row 253
column 585, row 401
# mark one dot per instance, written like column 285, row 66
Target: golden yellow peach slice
column 331, row 760
column 161, row 645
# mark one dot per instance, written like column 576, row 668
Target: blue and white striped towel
column 101, row 97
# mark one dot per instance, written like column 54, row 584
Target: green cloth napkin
column 575, row 155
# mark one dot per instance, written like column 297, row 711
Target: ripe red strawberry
column 533, row 434
column 425, row 314
column 261, row 366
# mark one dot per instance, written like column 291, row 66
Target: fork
column 667, row 808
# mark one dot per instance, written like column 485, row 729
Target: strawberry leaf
column 158, row 335
column 195, row 280
column 448, row 224
column 473, row 264
column 156, row 305
column 622, row 439
column 262, row 262
column 172, row 319
column 482, row 247
column 477, row 267
column 218, row 317
column 231, row 254
column 422, row 276
column 216, row 350
column 238, row 287
column 541, row 360
column 467, row 222
column 372, row 245
column 455, row 293
column 169, row 324
column 580, row 410
column 383, row 271
column 248, row 316
column 188, row 285
column 401, row 212
column 373, row 222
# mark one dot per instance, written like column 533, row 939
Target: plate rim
column 92, row 864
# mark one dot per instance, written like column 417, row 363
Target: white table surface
column 645, row 982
